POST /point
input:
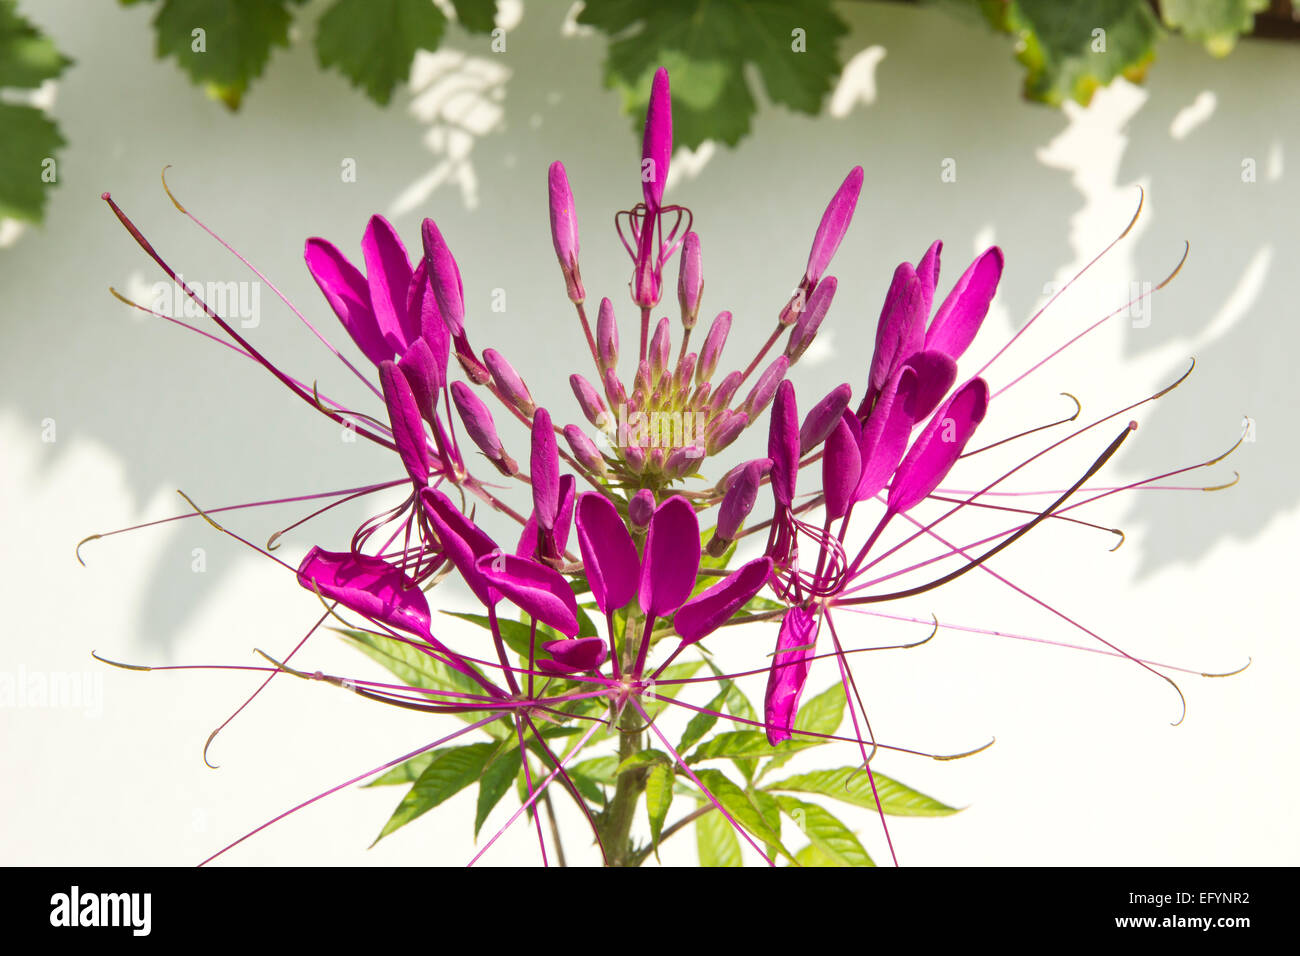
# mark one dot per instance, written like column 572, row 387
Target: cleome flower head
column 594, row 624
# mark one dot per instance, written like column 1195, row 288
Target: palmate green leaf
column 408, row 771
column 450, row 772
column 1215, row 23
column 736, row 802
column 715, row 841
column 851, row 785
column 707, row 46
column 27, row 57
column 30, row 139
column 832, row 843
column 373, row 42
column 413, row 667
column 494, row 784
column 658, row 798
column 742, row 744
column 1071, row 49
column 234, row 46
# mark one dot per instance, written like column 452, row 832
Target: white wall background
column 1086, row 769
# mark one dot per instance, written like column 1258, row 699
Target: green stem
column 616, row 824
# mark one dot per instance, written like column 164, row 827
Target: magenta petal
column 422, row 307
column 388, row 272
column 939, row 446
column 574, row 656
column 408, row 426
column 885, row 434
column 368, row 585
column 672, row 557
column 834, row 224
column 963, row 311
column 841, row 466
column 927, row 270
column 738, row 500
column 657, row 144
column 530, row 540
column 463, row 542
column 480, row 427
column 609, row 556
column 348, row 294
column 901, row 329
column 444, row 274
column 710, row 609
column 535, row 588
column 823, row 417
column 421, row 371
column 935, row 373
column 795, row 646
column 783, row 444
column 545, row 472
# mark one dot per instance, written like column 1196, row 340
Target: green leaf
column 833, row 843
column 27, row 57
column 658, row 798
column 1071, row 49
column 1215, row 23
column 408, row 771
column 476, row 16
column 373, row 42
column 707, row 47
column 702, row 722
column 494, row 784
column 716, row 841
column 31, row 140
column 738, row 804
column 642, row 758
column 851, row 785
column 824, row 713
column 222, row 44
column 740, row 744
column 450, row 772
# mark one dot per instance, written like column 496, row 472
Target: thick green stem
column 616, row 827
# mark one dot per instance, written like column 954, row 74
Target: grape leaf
column 476, row 16
column 1215, row 23
column 27, row 57
column 222, row 44
column 1071, row 49
column 373, row 42
column 706, row 46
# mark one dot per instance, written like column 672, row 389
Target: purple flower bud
column 635, row 457
column 726, row 390
column 737, row 503
column 712, row 349
column 545, row 470
column 420, row 368
column 564, row 231
column 474, row 370
column 614, row 390
column 573, row 656
column 481, row 428
column 690, row 280
column 710, row 609
column 643, row 382
column 606, row 336
column 726, row 428
column 783, row 444
column 835, row 222
column 724, row 485
column 657, row 144
column 841, row 465
column 823, row 417
column 683, row 461
column 927, row 270
column 647, row 274
column 584, row 450
column 508, row 382
column 660, row 350
column 641, row 507
column 761, row 394
column 408, row 427
column 810, row 319
column 701, row 396
column 687, row 371
column 422, row 303
column 445, row 276
column 593, row 406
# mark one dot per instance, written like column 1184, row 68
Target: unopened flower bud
column 564, row 231
column 761, row 394
column 606, row 336
column 823, row 417
column 711, row 351
column 584, row 450
column 614, row 390
column 687, row 370
column 690, row 280
column 641, row 507
column 593, row 406
column 508, row 382
column 481, row 428
column 660, row 350
column 737, row 503
column 726, row 428
column 683, row 461
column 726, row 390
column 635, row 457
column 810, row 319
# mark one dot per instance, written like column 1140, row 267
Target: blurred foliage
column 723, row 55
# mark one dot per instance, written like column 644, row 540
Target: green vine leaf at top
column 1215, row 23
column 373, row 42
column 1069, row 50
column 706, row 46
